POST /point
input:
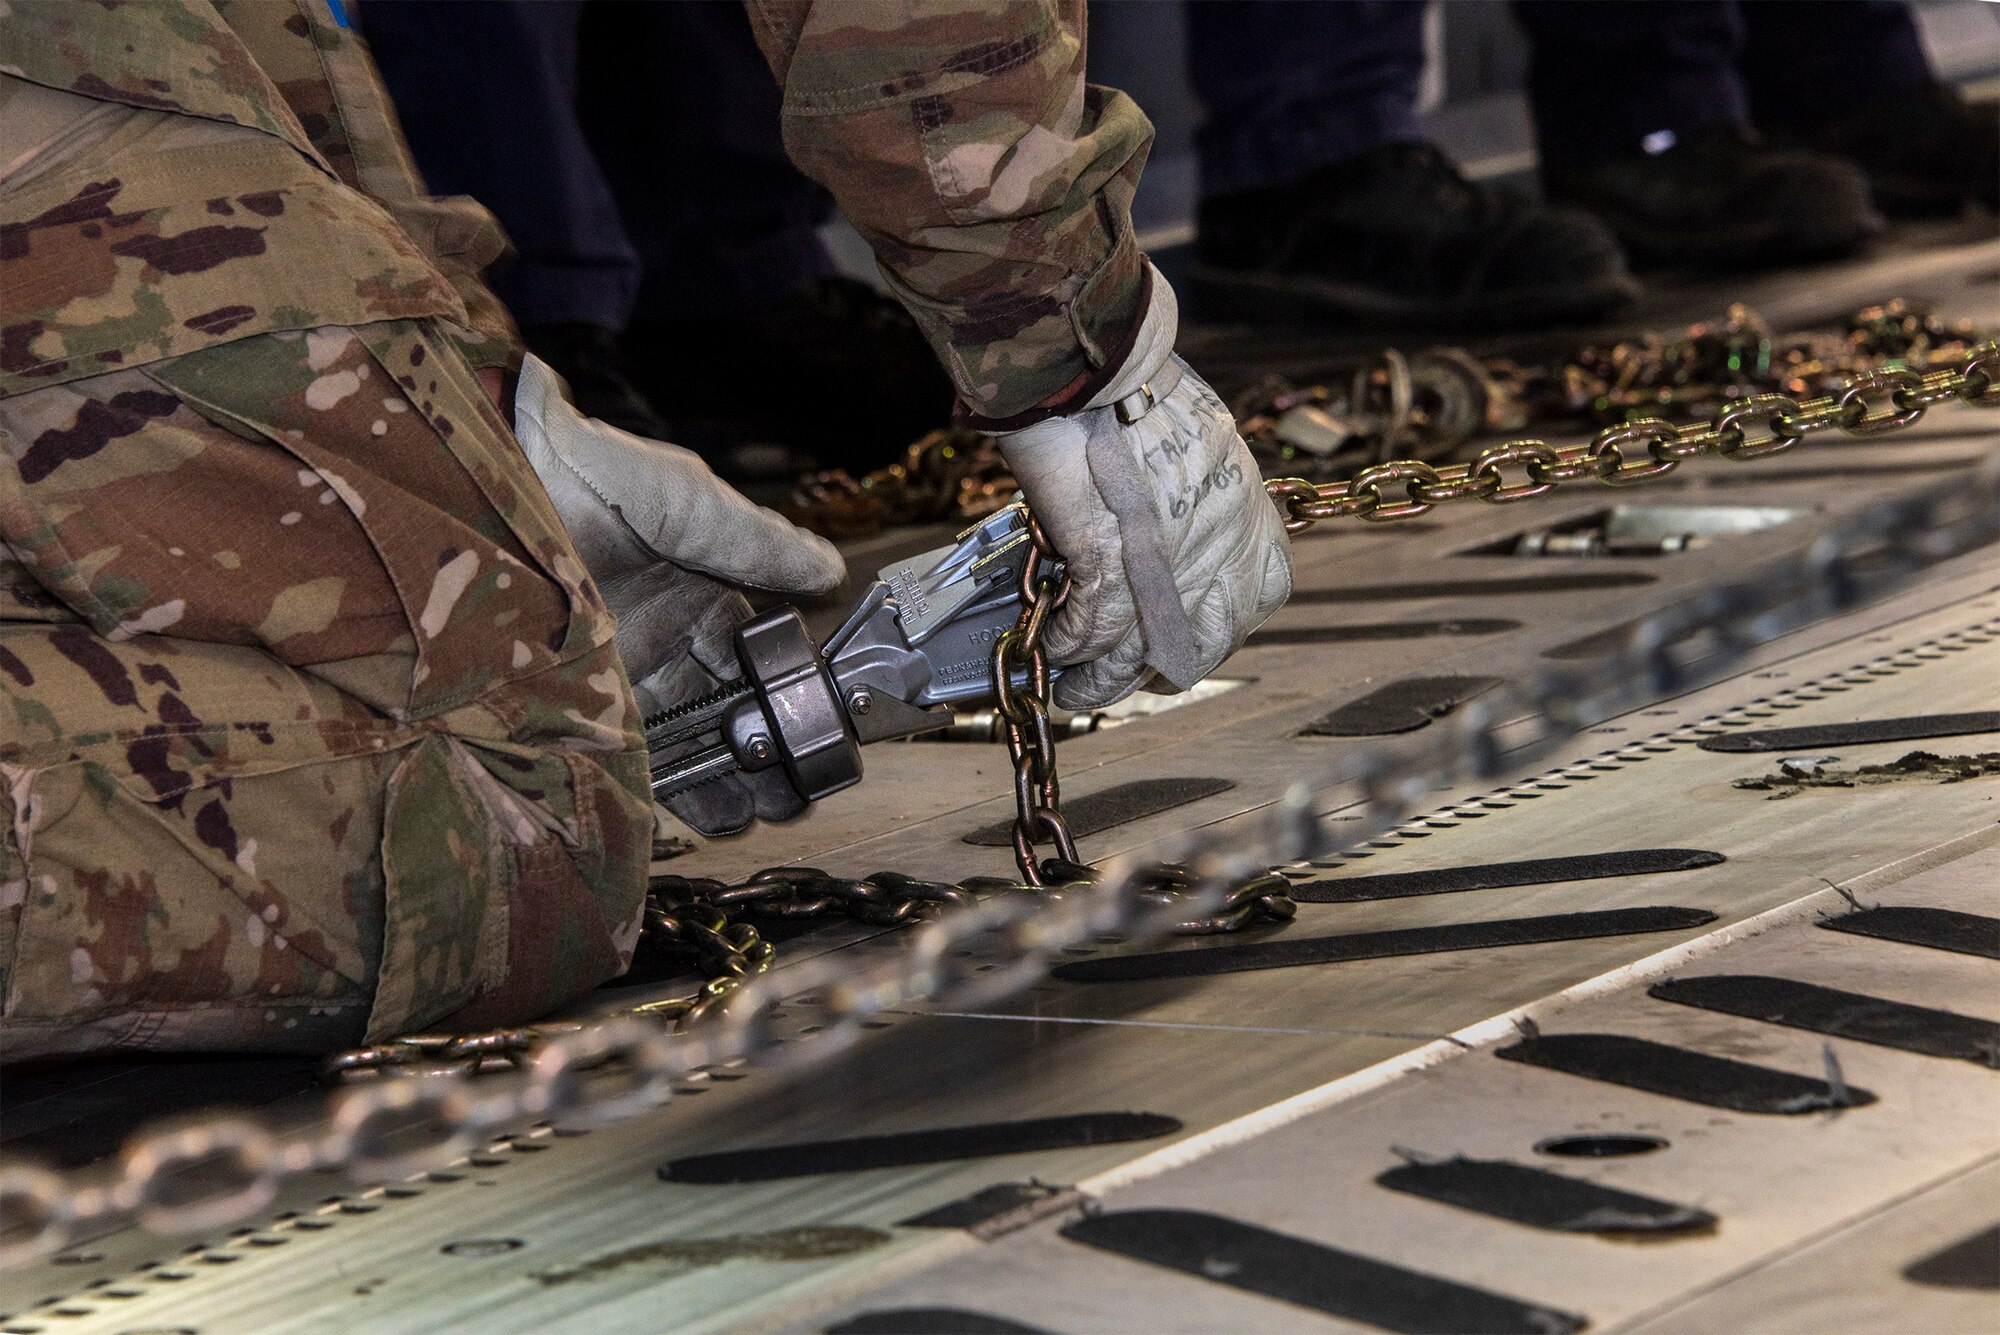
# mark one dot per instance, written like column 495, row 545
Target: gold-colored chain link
column 1870, row 403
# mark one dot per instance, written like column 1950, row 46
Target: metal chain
column 1430, row 404
column 1247, row 901
column 220, row 1168
column 697, row 916
column 954, row 473
column 729, row 953
column 1757, row 427
column 708, row 919
column 693, row 913
column 1024, row 713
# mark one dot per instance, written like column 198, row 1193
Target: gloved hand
column 1175, row 552
column 669, row 544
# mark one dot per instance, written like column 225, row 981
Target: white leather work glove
column 1175, row 552
column 671, row 546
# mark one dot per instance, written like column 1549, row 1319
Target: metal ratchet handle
column 917, row 645
column 697, row 721
column 924, row 636
column 785, row 712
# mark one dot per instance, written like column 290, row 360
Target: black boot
column 836, row 371
column 1399, row 235
column 588, row 356
column 1926, row 154
column 1721, row 197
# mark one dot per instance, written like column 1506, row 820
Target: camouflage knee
column 208, row 851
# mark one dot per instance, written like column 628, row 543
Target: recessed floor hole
column 1599, row 1147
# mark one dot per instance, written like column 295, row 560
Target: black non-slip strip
column 1499, row 875
column 1570, row 582
column 1286, row 953
column 1856, row 734
column 1940, row 929
column 1310, row 1274
column 1970, row 1263
column 1827, row 1010
column 1677, row 1073
column 1605, row 641
column 930, row 1321
column 971, row 1211
column 1541, row 1199
column 1401, row 706
column 1113, row 806
column 1381, row 630
column 938, row 1145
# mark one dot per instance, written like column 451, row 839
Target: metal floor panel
column 586, row 1198
column 1674, row 796
column 918, row 799
column 1853, row 1278
column 628, row 1252
column 1798, row 1198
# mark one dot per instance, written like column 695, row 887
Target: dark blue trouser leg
column 683, row 113
column 1804, row 60
column 1292, row 87
column 1603, row 75
column 487, row 95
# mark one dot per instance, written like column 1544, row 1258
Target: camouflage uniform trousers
column 312, row 726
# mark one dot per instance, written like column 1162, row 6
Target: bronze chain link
column 1872, row 402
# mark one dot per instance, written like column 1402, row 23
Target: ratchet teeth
column 719, row 696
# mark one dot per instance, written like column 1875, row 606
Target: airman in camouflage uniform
column 314, row 725
column 994, row 183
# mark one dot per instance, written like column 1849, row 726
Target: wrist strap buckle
column 1144, row 399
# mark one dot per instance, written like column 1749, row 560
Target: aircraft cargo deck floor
column 1681, row 1081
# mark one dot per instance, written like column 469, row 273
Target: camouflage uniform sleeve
column 329, row 81
column 995, row 184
